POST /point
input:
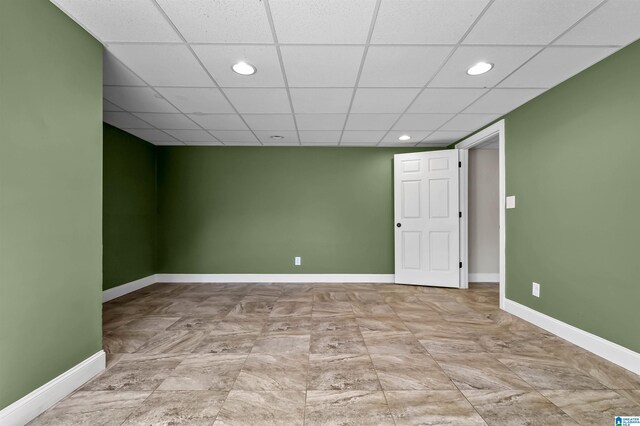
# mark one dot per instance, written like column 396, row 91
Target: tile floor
column 338, row 354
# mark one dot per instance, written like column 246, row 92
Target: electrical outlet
column 535, row 290
column 511, row 202
column 297, row 261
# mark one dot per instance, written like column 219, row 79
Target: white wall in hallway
column 484, row 217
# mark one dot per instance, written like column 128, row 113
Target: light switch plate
column 511, row 202
column 297, row 261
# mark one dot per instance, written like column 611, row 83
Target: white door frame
column 464, row 146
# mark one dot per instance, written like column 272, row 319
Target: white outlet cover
column 535, row 290
column 511, row 202
column 297, row 261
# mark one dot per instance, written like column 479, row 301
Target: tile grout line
column 282, row 68
column 197, row 58
column 372, row 26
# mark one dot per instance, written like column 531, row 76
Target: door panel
column 426, row 206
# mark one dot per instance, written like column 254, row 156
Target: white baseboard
column 484, row 277
column 127, row 288
column 275, row 278
column 610, row 351
column 32, row 405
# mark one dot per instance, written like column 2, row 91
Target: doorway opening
column 482, row 202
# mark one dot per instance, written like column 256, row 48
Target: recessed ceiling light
column 404, row 138
column 244, row 68
column 479, row 68
column 277, row 137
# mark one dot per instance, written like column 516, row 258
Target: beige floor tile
column 205, row 372
column 352, row 407
column 516, row 407
column 337, row 343
column 631, row 395
column 287, row 326
column 342, row 372
column 410, row 372
column 171, row 408
column 227, row 343
column 92, row 408
column 424, row 407
column 278, row 344
column 385, row 342
column 592, row 407
column 479, row 371
column 275, row 408
column 270, row 372
column 135, row 372
column 173, row 341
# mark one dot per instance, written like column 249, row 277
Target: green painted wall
column 129, row 208
column 572, row 163
column 50, row 195
column 251, row 210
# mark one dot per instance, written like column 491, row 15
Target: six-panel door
column 427, row 224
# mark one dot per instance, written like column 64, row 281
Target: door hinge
column 460, row 265
column 459, row 214
column 459, row 163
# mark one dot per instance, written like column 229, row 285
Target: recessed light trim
column 244, row 68
column 404, row 138
column 277, row 137
column 480, row 68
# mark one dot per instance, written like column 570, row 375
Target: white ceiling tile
column 167, row 121
column 191, row 135
column 281, row 143
column 320, row 121
column 416, row 136
column 321, row 100
column 194, row 100
column 322, row 66
column 290, row 137
column 315, row 136
column 270, row 121
column 219, row 21
column 108, row 106
column 331, row 143
column 196, row 143
column 444, row 138
column 432, row 144
column 322, row 22
column 554, row 65
column 359, row 144
column 505, row 59
column 445, row 100
column 469, row 122
column 421, row 121
column 219, row 121
column 396, row 144
column 259, row 100
column 382, row 100
column 168, row 143
column 124, row 120
column 528, row 21
column 501, row 101
column 151, row 135
column 244, row 143
column 219, row 59
column 402, row 66
column 362, row 136
column 162, row 65
column 425, row 22
column 121, row 20
column 371, row 121
column 615, row 23
column 234, row 136
column 137, row 99
column 116, row 74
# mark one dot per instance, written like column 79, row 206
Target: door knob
column 398, row 225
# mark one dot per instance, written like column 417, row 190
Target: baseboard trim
column 276, row 278
column 484, row 278
column 610, row 351
column 32, row 405
column 127, row 288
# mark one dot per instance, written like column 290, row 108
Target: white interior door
column 427, row 223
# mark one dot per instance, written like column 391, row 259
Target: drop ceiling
column 338, row 72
